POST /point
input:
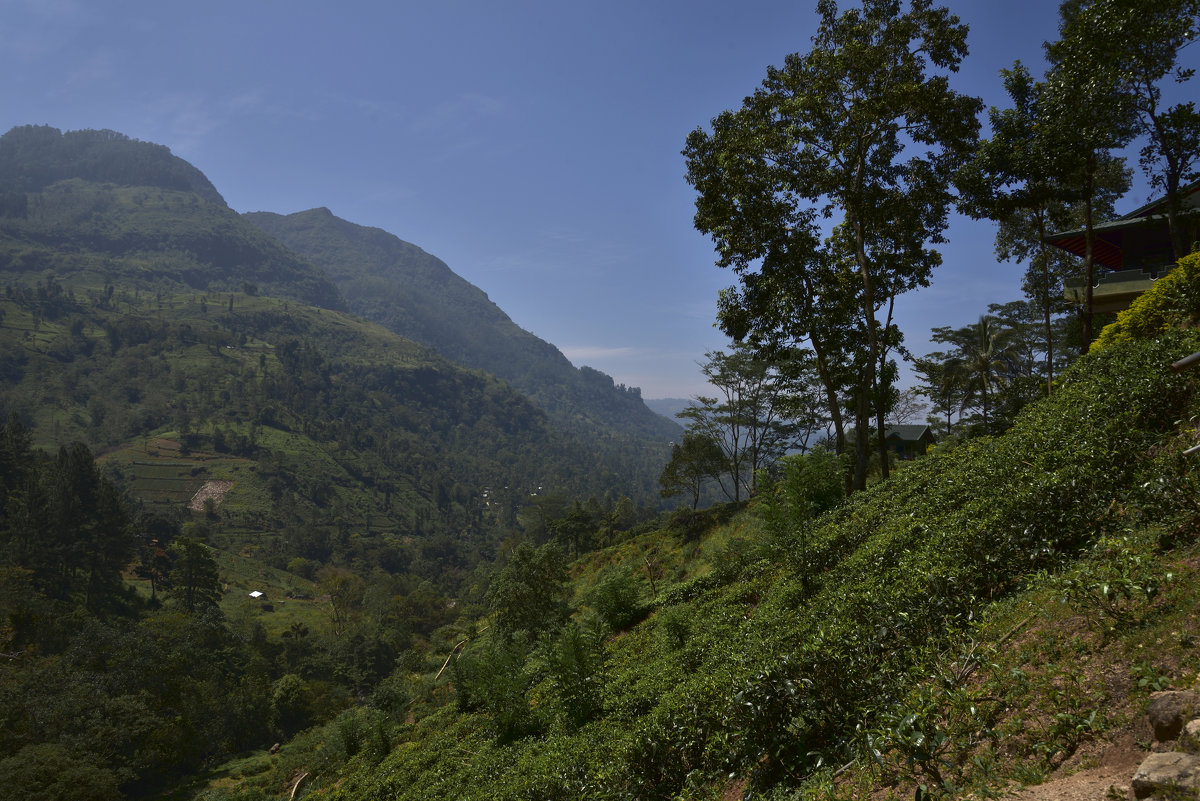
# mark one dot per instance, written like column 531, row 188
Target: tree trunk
column 871, row 385
column 1045, row 257
column 1089, row 261
column 862, row 433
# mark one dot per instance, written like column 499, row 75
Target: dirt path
column 1118, row 762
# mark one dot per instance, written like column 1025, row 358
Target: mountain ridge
column 409, row 291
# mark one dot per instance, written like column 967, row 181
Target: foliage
column 617, row 601
column 529, row 593
column 863, row 126
column 747, row 425
column 1087, row 117
column 1141, row 41
column 808, row 486
column 194, row 576
column 1173, row 301
column 1115, row 585
column 49, row 772
column 693, row 463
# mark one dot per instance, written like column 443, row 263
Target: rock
column 1169, row 710
column 274, row 749
column 1193, row 729
column 1168, row 770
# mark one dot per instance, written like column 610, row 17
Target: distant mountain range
column 667, row 407
column 113, row 249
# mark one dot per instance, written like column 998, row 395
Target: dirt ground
column 211, row 489
column 1118, row 760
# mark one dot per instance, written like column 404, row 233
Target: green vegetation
column 107, row 211
column 288, row 553
column 863, row 128
column 878, row 636
column 408, row 291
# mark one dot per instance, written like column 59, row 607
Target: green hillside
column 33, row 157
column 313, row 414
column 990, row 614
column 416, row 295
column 93, row 209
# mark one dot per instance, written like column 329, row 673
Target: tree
column 694, row 461
column 985, row 361
column 529, row 593
column 907, row 407
column 195, row 581
column 88, row 538
column 1086, row 115
column 345, row 591
column 746, row 424
column 863, row 126
column 940, row 384
column 1016, row 178
column 1144, row 37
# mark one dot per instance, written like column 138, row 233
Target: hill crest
column 415, row 294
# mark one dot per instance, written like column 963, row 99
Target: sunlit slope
column 806, row 637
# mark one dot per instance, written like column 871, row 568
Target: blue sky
column 533, row 146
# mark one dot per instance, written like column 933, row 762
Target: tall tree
column 529, row 593
column 746, row 423
column 940, row 384
column 88, row 538
column 864, row 126
column 1016, row 178
column 195, row 579
column 1087, row 115
column 985, row 359
column 1144, row 37
column 693, row 462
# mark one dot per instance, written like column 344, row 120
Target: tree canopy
column 864, row 129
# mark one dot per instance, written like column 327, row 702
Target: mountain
column 32, row 157
column 96, row 209
column 141, row 308
column 317, row 421
column 415, row 294
column 667, row 407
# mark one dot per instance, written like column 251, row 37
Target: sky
column 533, row 146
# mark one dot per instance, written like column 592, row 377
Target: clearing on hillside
column 214, row 489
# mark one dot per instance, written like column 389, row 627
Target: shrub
column 617, row 601
column 1173, row 302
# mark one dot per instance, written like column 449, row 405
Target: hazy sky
column 533, row 146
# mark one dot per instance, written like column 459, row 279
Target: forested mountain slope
column 96, row 208
column 318, row 418
column 415, row 294
column 132, row 232
column 32, row 157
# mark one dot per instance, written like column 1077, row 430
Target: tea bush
column 790, row 658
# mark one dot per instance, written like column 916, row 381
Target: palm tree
column 985, row 361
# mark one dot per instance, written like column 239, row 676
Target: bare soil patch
column 215, row 489
column 1119, row 760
